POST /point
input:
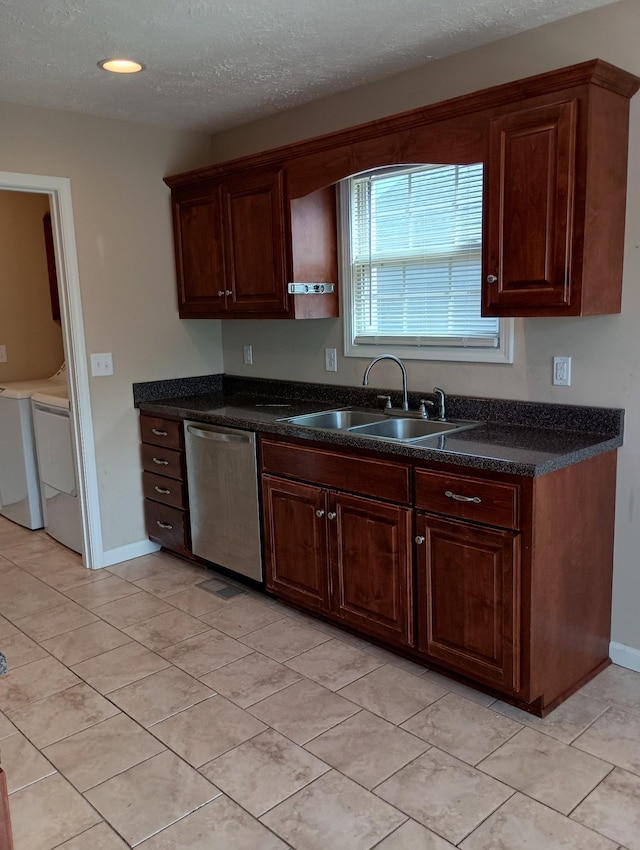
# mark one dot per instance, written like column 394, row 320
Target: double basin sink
column 369, row 423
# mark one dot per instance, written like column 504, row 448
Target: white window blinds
column 416, row 258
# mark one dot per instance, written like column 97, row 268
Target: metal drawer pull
column 319, row 514
column 161, row 461
column 159, row 433
column 164, row 525
column 475, row 499
column 163, row 490
column 332, row 514
column 419, row 539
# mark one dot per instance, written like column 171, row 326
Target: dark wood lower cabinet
column 469, row 599
column 164, row 483
column 372, row 587
column 295, row 536
column 345, row 556
column 507, row 583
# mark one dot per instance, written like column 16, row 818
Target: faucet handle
column 424, row 403
column 386, row 399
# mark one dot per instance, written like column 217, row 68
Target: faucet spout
column 405, row 395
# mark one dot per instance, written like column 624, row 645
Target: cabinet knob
column 221, row 293
column 161, row 461
column 158, row 432
column 332, row 515
column 227, row 292
column 319, row 514
column 164, row 525
column 491, row 278
column 419, row 539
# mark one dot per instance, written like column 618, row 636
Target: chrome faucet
column 365, row 380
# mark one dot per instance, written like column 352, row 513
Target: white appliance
column 56, row 467
column 19, row 486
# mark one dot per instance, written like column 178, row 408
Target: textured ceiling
column 213, row 64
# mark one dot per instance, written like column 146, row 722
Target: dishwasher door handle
column 219, row 436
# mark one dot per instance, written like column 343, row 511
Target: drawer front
column 165, row 462
column 466, row 497
column 376, row 478
column 161, row 432
column 167, row 526
column 165, row 490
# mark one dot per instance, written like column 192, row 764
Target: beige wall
column 605, row 350
column 125, row 255
column 32, row 338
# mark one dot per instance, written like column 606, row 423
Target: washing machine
column 19, row 486
column 56, row 467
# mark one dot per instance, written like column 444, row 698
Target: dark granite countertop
column 522, row 438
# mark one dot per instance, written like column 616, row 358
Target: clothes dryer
column 19, row 486
column 56, row 467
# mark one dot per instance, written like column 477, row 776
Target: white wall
column 605, row 350
column 125, row 256
column 33, row 340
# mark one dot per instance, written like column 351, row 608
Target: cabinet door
column 372, row 587
column 255, row 243
column 295, row 532
column 469, row 599
column 199, row 257
column 530, row 199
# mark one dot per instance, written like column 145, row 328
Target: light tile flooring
column 140, row 710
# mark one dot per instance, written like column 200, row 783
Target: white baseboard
column 126, row 553
column 625, row 656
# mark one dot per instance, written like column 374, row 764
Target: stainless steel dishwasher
column 222, row 476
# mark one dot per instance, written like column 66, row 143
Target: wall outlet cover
column 561, row 371
column 330, row 360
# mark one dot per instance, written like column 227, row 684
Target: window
column 412, row 265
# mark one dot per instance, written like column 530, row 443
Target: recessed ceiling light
column 120, row 66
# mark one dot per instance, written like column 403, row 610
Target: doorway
column 63, row 231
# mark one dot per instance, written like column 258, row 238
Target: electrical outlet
column 247, row 355
column 562, row 371
column 3, row 353
column 101, row 365
column 330, row 360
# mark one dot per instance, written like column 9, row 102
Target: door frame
column 59, row 191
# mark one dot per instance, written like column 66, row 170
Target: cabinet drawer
column 161, row 432
column 376, row 478
column 466, row 497
column 167, row 462
column 165, row 490
column 167, row 526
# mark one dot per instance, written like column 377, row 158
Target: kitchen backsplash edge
column 607, row 421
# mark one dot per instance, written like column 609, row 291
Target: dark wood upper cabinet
column 240, row 241
column 555, row 205
column 253, row 212
column 199, row 253
column 554, row 148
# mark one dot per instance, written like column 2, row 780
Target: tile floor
column 140, row 710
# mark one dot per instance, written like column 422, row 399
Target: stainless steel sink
column 340, row 420
column 368, row 423
column 409, row 429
